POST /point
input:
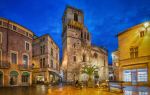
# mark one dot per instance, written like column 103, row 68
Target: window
column 42, row 49
column 127, row 75
column 75, row 17
column 51, row 52
column 142, row 34
column 0, row 22
column 41, row 65
column 84, row 35
column 74, row 58
column 142, row 75
column 51, row 63
column 27, row 34
column 25, row 60
column 134, row 52
column 84, row 57
column 14, row 27
column 143, row 93
column 14, row 58
column 0, row 37
column 0, row 56
column 81, row 35
column 27, row 46
column 88, row 36
column 25, row 78
column 44, row 65
column 95, row 55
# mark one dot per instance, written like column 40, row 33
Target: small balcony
column 24, row 67
column 4, row 65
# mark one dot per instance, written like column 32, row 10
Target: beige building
column 134, row 55
column 77, row 48
column 45, row 60
column 15, row 54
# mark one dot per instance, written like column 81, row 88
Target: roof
column 16, row 23
column 136, row 26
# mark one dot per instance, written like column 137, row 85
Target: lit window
column 143, row 93
column 127, row 75
column 14, row 58
column 142, row 75
column 25, row 60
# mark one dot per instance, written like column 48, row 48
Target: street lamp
column 146, row 25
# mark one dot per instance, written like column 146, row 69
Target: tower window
column 75, row 17
column 74, row 59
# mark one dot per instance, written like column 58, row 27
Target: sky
column 103, row 18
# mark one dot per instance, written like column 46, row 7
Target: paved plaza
column 70, row 90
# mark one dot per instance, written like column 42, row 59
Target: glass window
column 25, row 60
column 41, row 63
column 51, row 52
column 127, row 75
column 142, row 75
column 44, row 62
column 142, row 34
column 14, row 27
column 143, row 93
column 14, row 58
column 27, row 46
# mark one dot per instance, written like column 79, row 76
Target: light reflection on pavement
column 70, row 90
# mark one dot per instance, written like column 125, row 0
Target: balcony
column 4, row 65
column 24, row 67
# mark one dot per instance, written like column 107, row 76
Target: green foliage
column 89, row 70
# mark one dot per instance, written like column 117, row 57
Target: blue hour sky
column 104, row 18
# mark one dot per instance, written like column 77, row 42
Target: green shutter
column 26, row 74
column 14, row 73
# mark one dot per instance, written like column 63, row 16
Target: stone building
column 15, row 54
column 134, row 55
column 115, row 64
column 45, row 60
column 77, row 48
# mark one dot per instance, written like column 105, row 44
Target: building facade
column 45, row 60
column 77, row 48
column 134, row 55
column 15, row 54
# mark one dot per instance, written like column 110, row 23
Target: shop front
column 25, row 78
column 13, row 78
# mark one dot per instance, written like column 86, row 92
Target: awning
column 26, row 74
column 14, row 73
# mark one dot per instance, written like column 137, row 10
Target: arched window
column 95, row 55
column 75, row 17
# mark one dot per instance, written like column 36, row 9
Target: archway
column 13, row 77
column 25, row 77
column 1, row 78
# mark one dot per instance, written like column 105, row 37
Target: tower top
column 72, row 8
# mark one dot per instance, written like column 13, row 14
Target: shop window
column 127, row 75
column 142, row 75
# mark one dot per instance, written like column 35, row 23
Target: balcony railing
column 24, row 67
column 4, row 65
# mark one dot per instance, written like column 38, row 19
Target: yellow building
column 134, row 55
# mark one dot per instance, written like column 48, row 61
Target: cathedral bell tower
column 73, row 36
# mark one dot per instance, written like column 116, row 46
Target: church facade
column 78, row 50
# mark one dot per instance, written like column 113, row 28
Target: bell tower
column 73, row 36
